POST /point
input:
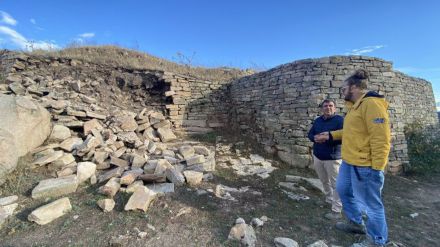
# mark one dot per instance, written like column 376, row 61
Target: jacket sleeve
column 340, row 126
column 336, row 135
column 311, row 134
column 378, row 127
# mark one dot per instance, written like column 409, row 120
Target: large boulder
column 24, row 125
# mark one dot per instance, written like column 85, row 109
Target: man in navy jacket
column 327, row 155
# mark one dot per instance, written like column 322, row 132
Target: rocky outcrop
column 24, row 125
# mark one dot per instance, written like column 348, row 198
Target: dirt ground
column 209, row 219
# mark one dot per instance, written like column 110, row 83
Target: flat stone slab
column 285, row 242
column 314, row 182
column 161, row 188
column 54, row 187
column 47, row 213
column 141, row 199
column 8, row 200
column 48, row 158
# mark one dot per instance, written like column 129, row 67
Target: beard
column 348, row 96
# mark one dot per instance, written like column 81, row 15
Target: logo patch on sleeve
column 379, row 120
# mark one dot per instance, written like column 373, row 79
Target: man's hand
column 321, row 137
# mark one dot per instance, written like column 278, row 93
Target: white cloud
column 21, row 42
column 33, row 21
column 364, row 50
column 87, row 35
column 7, row 19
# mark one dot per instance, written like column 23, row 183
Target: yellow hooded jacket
column 366, row 136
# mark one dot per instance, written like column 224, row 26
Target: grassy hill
column 121, row 57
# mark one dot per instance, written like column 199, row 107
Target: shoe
column 351, row 227
column 333, row 216
column 368, row 242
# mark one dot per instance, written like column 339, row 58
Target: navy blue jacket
column 329, row 150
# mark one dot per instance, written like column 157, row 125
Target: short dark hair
column 359, row 79
column 327, row 101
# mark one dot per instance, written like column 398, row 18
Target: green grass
column 423, row 149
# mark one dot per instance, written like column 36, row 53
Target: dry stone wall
column 278, row 106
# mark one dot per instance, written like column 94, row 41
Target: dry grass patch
column 121, row 57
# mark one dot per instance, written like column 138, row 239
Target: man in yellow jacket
column 366, row 142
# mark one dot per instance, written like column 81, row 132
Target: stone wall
column 197, row 105
column 192, row 105
column 278, row 106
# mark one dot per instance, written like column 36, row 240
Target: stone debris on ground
column 224, row 192
column 243, row 233
column 285, row 242
column 87, row 143
column 49, row 212
column 7, row 208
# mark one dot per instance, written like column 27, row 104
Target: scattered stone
column 186, row 151
column 166, row 134
column 111, row 187
column 71, row 143
column 162, row 166
column 91, row 124
column 202, row 150
column 296, row 197
column 62, row 162
column 8, row 200
column 291, row 186
column 95, row 115
column 264, row 218
column 85, row 170
column 175, row 176
column 285, row 242
column 47, row 213
column 314, row 182
column 132, row 187
column 76, row 86
column 257, row 222
column 48, row 158
column 318, row 243
column 161, row 188
column 243, row 233
column 138, row 161
column 106, row 205
column 414, row 215
column 116, row 172
column 59, row 133
column 156, row 117
column 130, row 176
column 197, row 159
column 152, row 178
column 193, row 178
column 54, row 187
column 240, row 221
column 140, row 199
column 118, row 162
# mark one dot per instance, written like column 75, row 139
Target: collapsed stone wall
column 278, row 106
column 191, row 105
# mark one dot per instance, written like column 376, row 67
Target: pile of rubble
column 131, row 151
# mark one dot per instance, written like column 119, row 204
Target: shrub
column 423, row 148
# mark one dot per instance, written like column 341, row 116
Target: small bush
column 423, row 148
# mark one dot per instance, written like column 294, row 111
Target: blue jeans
column 360, row 190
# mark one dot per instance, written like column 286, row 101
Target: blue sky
column 237, row 33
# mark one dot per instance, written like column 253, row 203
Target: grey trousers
column 327, row 171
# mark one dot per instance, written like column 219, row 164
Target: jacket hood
column 371, row 95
